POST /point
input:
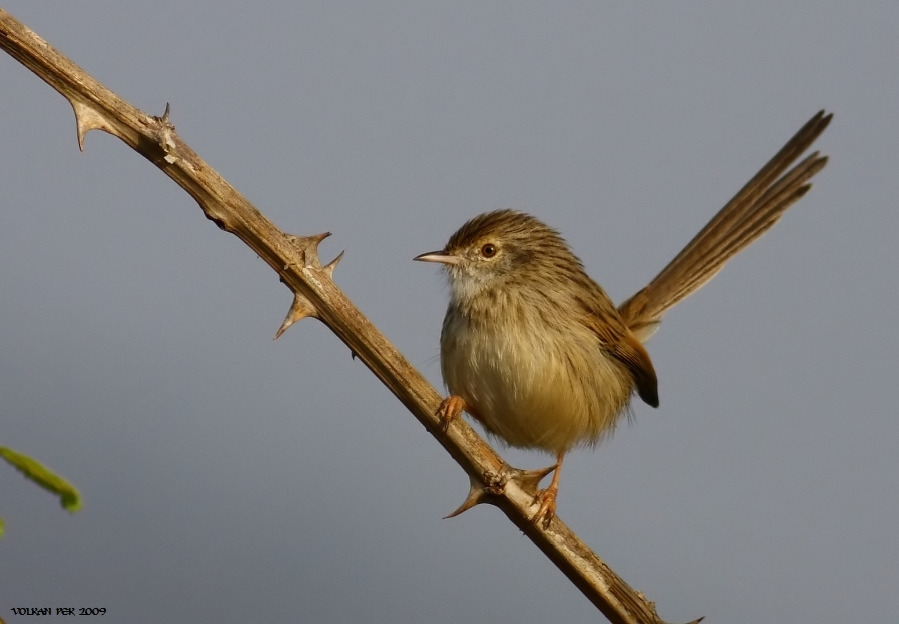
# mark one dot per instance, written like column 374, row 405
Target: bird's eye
column 488, row 250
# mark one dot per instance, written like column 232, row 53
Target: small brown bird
column 536, row 351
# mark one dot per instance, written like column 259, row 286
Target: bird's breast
column 532, row 380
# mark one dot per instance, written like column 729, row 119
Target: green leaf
column 69, row 497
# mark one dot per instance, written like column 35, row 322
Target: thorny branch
column 295, row 259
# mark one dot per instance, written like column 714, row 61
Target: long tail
column 751, row 213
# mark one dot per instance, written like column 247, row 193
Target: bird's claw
column 546, row 499
column 449, row 410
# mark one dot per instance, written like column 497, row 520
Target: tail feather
column 751, row 213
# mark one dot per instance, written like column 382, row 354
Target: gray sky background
column 229, row 478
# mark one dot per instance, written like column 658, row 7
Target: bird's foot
column 546, row 498
column 449, row 410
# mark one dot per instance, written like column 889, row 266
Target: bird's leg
column 546, row 498
column 449, row 410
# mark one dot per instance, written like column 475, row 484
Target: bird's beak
column 441, row 256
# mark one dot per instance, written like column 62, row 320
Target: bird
column 536, row 351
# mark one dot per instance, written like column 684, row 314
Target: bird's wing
column 618, row 342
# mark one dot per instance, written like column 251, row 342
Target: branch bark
column 295, row 259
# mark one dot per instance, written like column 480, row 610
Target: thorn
column 494, row 485
column 329, row 268
column 476, row 496
column 317, row 238
column 165, row 135
column 87, row 119
column 308, row 246
column 299, row 309
column 353, row 355
column 529, row 480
